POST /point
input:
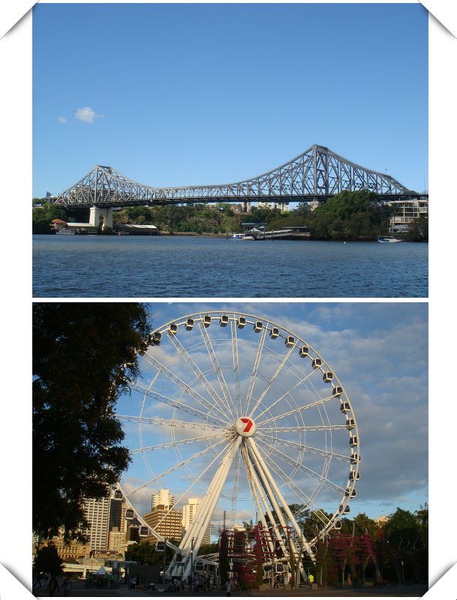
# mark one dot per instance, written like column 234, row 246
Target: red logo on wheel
column 245, row 426
column 248, row 422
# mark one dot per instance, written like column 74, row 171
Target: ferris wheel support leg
column 260, row 500
column 274, row 494
column 193, row 537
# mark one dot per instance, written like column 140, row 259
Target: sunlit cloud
column 86, row 114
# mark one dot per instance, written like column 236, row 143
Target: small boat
column 241, row 236
column 388, row 239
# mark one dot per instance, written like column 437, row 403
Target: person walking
column 53, row 586
column 66, row 586
column 228, row 588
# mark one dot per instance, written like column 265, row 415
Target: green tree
column 350, row 215
column 404, row 545
column 146, row 554
column 42, row 217
column 84, row 356
column 418, row 229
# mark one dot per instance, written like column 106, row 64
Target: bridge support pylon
column 101, row 217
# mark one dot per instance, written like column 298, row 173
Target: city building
column 97, row 513
column 407, row 211
column 188, row 514
column 163, row 518
column 163, row 498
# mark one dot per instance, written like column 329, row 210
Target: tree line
column 358, row 215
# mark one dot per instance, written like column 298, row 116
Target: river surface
column 81, row 266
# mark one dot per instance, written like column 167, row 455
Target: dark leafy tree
column 418, row 229
column 146, row 553
column 84, row 357
column 47, row 560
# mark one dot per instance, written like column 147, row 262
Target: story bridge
column 316, row 174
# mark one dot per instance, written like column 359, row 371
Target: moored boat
column 388, row 239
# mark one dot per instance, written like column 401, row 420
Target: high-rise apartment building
column 188, row 514
column 97, row 513
column 163, row 518
column 163, row 498
column 166, row 522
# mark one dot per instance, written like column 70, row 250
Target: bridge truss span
column 317, row 173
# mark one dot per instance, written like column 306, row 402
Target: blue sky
column 183, row 94
column 379, row 352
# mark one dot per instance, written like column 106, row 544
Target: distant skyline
column 379, row 352
column 190, row 94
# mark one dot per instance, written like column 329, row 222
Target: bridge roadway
column 316, row 174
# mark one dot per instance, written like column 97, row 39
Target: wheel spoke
column 178, row 404
column 186, row 388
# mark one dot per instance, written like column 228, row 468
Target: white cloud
column 62, row 120
column 86, row 114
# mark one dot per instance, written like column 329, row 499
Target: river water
column 75, row 266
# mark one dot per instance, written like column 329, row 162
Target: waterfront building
column 406, row 211
column 283, row 207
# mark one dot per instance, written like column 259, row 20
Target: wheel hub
column 245, row 426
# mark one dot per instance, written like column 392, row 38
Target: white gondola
column 118, row 495
column 241, row 322
column 328, row 376
column 144, row 531
column 129, row 514
column 354, row 476
column 189, row 324
column 173, row 328
column 223, row 321
column 337, row 390
column 304, row 351
column 345, row 407
column 160, row 546
column 206, row 320
column 350, row 423
column 290, row 341
column 353, row 441
column 274, row 333
column 317, row 362
column 258, row 326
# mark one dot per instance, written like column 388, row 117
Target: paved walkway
column 80, row 590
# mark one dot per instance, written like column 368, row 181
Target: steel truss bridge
column 316, row 174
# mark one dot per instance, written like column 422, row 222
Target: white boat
column 241, row 236
column 388, row 239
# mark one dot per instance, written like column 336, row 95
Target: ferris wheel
column 246, row 416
